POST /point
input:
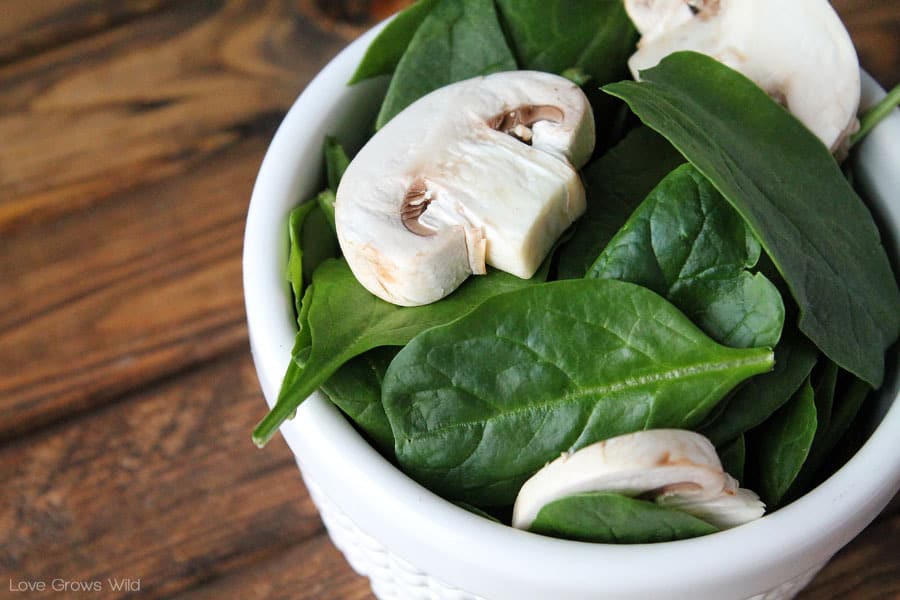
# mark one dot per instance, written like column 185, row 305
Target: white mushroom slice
column 798, row 51
column 675, row 467
column 483, row 171
column 726, row 511
column 653, row 17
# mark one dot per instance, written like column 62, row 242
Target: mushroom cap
column 479, row 172
column 674, row 466
column 799, row 52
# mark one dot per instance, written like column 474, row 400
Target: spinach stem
column 875, row 114
column 270, row 424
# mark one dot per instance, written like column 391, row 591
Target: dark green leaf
column 325, row 199
column 594, row 36
column 686, row 243
column 356, row 389
column 733, row 455
column 459, row 39
column 384, row 52
column 782, row 443
column 303, row 340
column 845, row 408
column 345, row 320
column 479, row 405
column 336, row 161
column 755, row 401
column 824, row 394
column 318, row 241
column 615, row 519
column 791, row 192
column 312, row 240
column 295, row 250
column 615, row 185
column 576, row 76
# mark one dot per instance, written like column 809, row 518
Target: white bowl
column 413, row 544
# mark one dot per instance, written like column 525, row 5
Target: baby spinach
column 479, row 405
column 311, row 241
column 336, row 162
column 355, row 388
column 385, row 51
column 458, row 39
column 824, row 393
column 615, row 185
column 846, row 405
column 756, row 400
column 791, row 192
column 686, row 243
column 782, row 443
column 615, row 519
column 595, row 37
column 344, row 320
column 311, row 231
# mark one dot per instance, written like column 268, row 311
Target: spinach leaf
column 781, row 445
column 686, row 243
column 846, row 406
column 582, row 40
column 355, row 388
column 791, row 192
column 312, row 240
column 615, row 185
column 295, row 251
column 756, row 400
column 318, row 241
column 733, row 456
column 479, row 405
column 595, row 37
column 458, row 39
column 384, row 52
column 824, row 395
column 336, row 162
column 325, row 199
column 344, row 320
column 615, row 519
column 303, row 340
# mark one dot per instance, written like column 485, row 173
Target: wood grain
column 134, row 290
column 312, row 570
column 166, row 488
column 125, row 172
column 875, row 30
column 146, row 101
column 28, row 28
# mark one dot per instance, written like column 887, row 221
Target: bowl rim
column 326, row 443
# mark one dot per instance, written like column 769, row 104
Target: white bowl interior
column 498, row 561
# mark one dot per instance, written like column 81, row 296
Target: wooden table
column 130, row 135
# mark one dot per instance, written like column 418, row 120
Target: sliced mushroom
column 673, row 467
column 797, row 50
column 481, row 172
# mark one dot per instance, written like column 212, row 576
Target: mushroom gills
column 673, row 467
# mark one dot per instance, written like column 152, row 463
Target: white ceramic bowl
column 413, row 544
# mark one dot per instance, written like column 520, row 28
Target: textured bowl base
column 393, row 578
